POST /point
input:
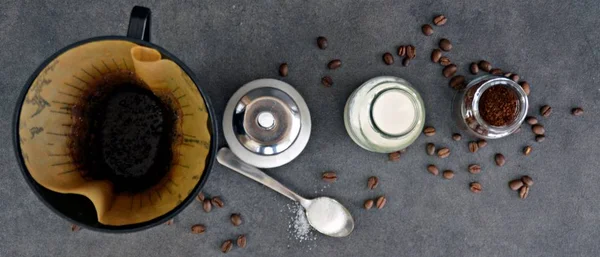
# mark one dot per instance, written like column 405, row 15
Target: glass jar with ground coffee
column 491, row 107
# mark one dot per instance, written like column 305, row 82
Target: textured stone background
column 552, row 44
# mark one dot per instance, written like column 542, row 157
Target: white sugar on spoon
column 324, row 214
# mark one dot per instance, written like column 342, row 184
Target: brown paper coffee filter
column 45, row 126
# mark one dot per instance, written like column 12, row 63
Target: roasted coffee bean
column 429, row 131
column 283, row 69
column 577, row 111
column 527, row 180
column 380, row 202
column 329, row 176
column 402, row 51
column 436, row 54
column 527, row 150
column 457, row 82
column 406, row 47
column 241, row 241
column 481, row 143
column 496, row 71
column 372, row 182
column 485, row 66
column 198, row 229
column 327, row 81
column 236, row 219
column 515, row 184
column 546, row 110
column 449, row 70
column 75, row 228
column 525, row 87
column 216, row 201
column 456, row 137
column 473, row 147
column 515, row 77
column 200, row 197
column 538, row 129
column 500, row 159
column 443, row 152
column 445, row 61
column 395, row 156
column 334, row 64
column 430, row 149
column 540, row 138
column 445, row 44
column 433, row 169
column 405, row 61
column 368, row 204
column 226, row 246
column 427, row 29
column 474, row 68
column 475, row 187
column 440, row 20
column 388, row 58
column 531, row 120
column 448, row 174
column 411, row 51
column 206, row 205
column 524, row 192
column 169, row 222
column 322, row 42
column 474, row 169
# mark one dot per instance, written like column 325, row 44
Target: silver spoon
column 343, row 224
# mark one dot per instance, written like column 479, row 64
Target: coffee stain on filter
column 46, row 116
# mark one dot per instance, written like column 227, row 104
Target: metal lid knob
column 266, row 123
column 266, row 120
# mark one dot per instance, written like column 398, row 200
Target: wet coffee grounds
column 123, row 133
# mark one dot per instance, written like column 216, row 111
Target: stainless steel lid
column 266, row 123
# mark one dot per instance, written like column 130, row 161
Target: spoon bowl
column 329, row 217
column 324, row 214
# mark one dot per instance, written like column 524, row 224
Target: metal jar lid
column 266, row 123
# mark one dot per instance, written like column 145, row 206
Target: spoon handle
column 229, row 160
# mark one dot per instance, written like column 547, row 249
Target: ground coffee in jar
column 498, row 105
column 490, row 107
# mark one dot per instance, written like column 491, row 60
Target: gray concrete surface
column 552, row 44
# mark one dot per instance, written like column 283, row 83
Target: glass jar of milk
column 385, row 114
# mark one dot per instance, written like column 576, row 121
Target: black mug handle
column 139, row 23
